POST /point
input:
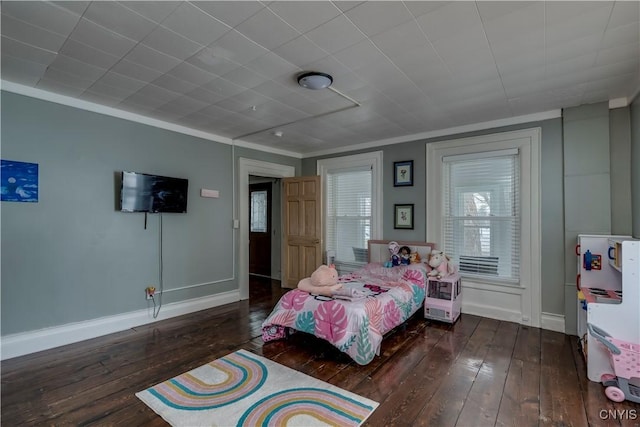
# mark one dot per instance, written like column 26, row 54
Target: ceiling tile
column 202, row 94
column 223, row 87
column 361, row 54
column 58, row 75
column 174, row 84
column 42, row 14
column 155, row 11
column 192, row 74
column 156, row 92
column 76, row 6
column 122, row 82
column 336, row 34
column 449, row 19
column 195, row 25
column 135, row 71
column 300, row 51
column 89, row 33
column 419, row 8
column 271, row 65
column 119, row 19
column 173, row 44
column 236, row 47
column 267, row 29
column 77, row 68
column 88, row 54
column 621, row 35
column 374, row 17
column 99, row 88
column 30, row 34
column 151, row 58
column 243, row 76
column 398, row 40
column 214, row 64
column 305, row 15
column 232, row 12
column 586, row 21
column 27, row 52
column 21, row 71
column 54, row 86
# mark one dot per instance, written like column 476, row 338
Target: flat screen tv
column 142, row 192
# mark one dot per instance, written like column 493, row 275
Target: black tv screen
column 142, row 192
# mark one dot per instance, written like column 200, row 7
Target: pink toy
column 443, row 300
column 323, row 281
column 624, row 383
column 441, row 265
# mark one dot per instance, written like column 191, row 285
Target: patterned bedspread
column 354, row 326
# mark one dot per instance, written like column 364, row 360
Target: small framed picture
column 403, row 173
column 403, row 216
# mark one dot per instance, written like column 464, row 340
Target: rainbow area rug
column 243, row 389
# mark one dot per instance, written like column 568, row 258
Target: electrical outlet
column 149, row 292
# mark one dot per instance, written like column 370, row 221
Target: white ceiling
column 229, row 68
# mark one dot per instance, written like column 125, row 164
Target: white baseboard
column 491, row 312
column 19, row 344
column 549, row 321
column 552, row 322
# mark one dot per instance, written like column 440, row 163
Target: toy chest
column 443, row 300
column 624, row 382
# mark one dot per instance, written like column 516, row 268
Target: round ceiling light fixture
column 315, row 80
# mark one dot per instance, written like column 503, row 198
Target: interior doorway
column 263, row 227
column 247, row 168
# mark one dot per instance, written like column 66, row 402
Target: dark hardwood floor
column 478, row 372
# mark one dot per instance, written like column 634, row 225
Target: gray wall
column 551, row 199
column 575, row 154
column 72, row 256
column 635, row 161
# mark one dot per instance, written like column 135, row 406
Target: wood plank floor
column 478, row 372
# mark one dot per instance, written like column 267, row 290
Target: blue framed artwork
column 403, row 173
column 19, row 181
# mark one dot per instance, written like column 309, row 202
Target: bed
column 381, row 299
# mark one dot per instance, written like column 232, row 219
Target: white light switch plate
column 209, row 193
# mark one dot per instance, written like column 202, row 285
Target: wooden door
column 260, row 229
column 302, row 240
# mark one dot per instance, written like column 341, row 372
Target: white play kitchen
column 609, row 312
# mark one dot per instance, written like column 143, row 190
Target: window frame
column 527, row 141
column 372, row 160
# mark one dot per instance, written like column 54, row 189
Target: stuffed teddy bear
column 441, row 264
column 415, row 258
column 323, row 281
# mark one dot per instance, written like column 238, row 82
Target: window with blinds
column 348, row 213
column 481, row 213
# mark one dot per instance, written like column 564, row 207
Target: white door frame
column 248, row 167
column 528, row 295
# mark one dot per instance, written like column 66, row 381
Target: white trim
column 552, row 322
column 248, row 167
column 618, row 103
column 373, row 160
column 19, row 344
column 528, row 142
column 490, row 312
column 133, row 117
column 546, row 115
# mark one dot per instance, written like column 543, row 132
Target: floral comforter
column 386, row 297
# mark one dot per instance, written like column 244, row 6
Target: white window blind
column 349, row 210
column 481, row 218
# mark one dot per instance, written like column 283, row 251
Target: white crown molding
column 133, row 117
column 19, row 344
column 618, row 103
column 546, row 115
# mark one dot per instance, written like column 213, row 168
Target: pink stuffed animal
column 441, row 264
column 323, row 281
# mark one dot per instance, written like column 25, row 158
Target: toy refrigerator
column 608, row 284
